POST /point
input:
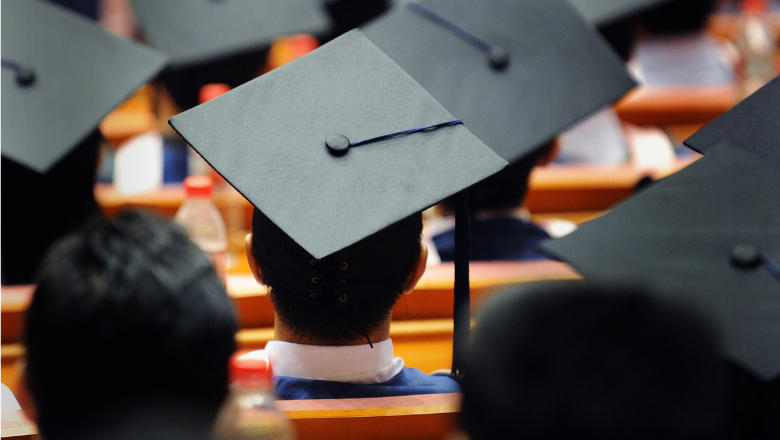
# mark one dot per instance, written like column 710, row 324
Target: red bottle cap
column 288, row 48
column 198, row 186
column 211, row 91
column 251, row 369
column 755, row 6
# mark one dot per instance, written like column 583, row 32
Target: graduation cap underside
column 710, row 235
column 268, row 139
column 61, row 74
column 604, row 12
column 516, row 72
column 198, row 31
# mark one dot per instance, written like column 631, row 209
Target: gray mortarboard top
column 604, row 12
column 754, row 124
column 61, row 74
column 277, row 140
column 517, row 72
column 709, row 234
column 199, row 31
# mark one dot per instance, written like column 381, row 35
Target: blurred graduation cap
column 753, row 124
column 61, row 74
column 337, row 145
column 212, row 41
column 516, row 72
column 605, row 12
column 709, row 234
column 198, row 31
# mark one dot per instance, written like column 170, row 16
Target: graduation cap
column 198, row 31
column 337, row 145
column 709, row 234
column 61, row 74
column 516, row 72
column 752, row 124
column 604, row 12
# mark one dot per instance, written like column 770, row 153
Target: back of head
column 505, row 189
column 126, row 312
column 678, row 16
column 575, row 361
column 340, row 298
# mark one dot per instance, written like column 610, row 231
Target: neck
column 283, row 332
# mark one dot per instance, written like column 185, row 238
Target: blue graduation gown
column 410, row 381
column 496, row 238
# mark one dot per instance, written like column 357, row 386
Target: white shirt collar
column 353, row 364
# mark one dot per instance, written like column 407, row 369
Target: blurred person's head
column 678, row 16
column 346, row 297
column 128, row 313
column 350, row 14
column 507, row 188
column 576, row 361
column 183, row 84
column 621, row 35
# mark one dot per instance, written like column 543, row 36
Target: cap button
column 25, row 77
column 337, row 144
column 498, row 58
column 745, row 256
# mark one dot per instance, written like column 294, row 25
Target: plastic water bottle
column 229, row 201
column 203, row 221
column 756, row 43
column 249, row 412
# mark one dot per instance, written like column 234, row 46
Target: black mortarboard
column 198, row 31
column 709, row 234
column 752, row 124
column 61, row 75
column 338, row 145
column 268, row 139
column 517, row 72
column 603, row 12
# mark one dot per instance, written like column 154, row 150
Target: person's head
column 577, row 361
column 341, row 298
column 621, row 35
column 678, row 16
column 507, row 188
column 127, row 312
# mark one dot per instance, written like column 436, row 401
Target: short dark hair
column 577, row 361
column 127, row 311
column 356, row 286
column 677, row 16
column 504, row 190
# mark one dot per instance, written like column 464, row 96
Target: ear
column 250, row 256
column 418, row 271
column 24, row 398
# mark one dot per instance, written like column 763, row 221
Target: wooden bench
column 566, row 190
column 421, row 417
column 432, row 299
